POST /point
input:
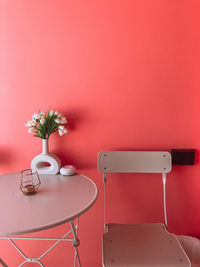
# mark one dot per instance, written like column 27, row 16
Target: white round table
column 59, row 199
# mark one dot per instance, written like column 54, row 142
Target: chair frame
column 126, row 244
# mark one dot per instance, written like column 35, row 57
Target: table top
column 58, row 200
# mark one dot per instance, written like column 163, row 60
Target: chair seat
column 146, row 245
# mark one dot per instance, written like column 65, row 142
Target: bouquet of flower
column 43, row 124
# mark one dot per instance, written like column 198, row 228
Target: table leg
column 75, row 243
column 26, row 261
column 37, row 260
column 23, row 255
column 77, row 225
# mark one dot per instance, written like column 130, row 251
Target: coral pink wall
column 126, row 75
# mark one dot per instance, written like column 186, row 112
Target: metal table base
column 75, row 242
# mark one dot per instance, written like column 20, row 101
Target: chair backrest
column 134, row 162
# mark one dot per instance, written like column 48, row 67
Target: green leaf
column 36, row 135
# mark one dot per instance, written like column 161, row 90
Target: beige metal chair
column 139, row 245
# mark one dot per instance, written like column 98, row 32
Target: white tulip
column 61, row 127
column 33, row 123
column 59, row 115
column 51, row 113
column 42, row 114
column 31, row 130
column 62, row 132
column 42, row 120
column 30, row 123
column 57, row 120
column 63, row 120
column 36, row 116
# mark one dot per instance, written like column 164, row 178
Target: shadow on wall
column 75, row 121
column 71, row 159
column 196, row 156
column 5, row 157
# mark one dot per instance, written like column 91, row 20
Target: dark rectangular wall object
column 183, row 156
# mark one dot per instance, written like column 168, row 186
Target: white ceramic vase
column 46, row 163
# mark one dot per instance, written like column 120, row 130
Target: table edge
column 52, row 225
